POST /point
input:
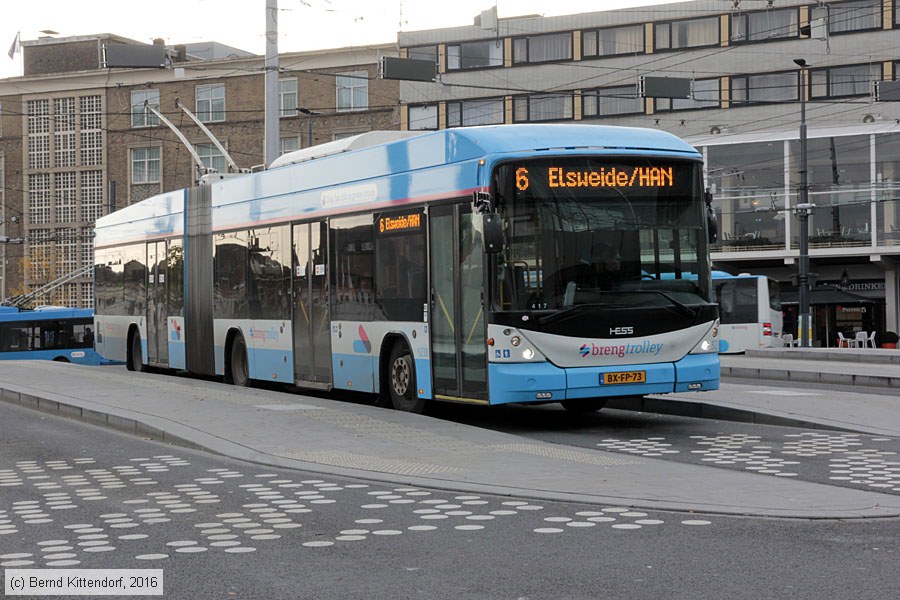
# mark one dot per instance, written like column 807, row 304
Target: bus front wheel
column 402, row 380
column 240, row 371
column 135, row 354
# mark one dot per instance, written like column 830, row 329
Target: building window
column 145, row 165
column 475, row 112
column 429, row 53
column 423, row 117
column 542, row 48
column 287, row 97
column 39, row 195
column 704, row 94
column 211, row 102
column 352, row 91
column 39, row 151
column 38, row 125
column 859, row 15
column 141, row 116
column 836, row 82
column 607, row 102
column 771, row 87
column 91, row 196
column 91, row 130
column 474, row 55
column 64, row 119
column 692, row 33
column 66, row 194
column 765, row 25
column 613, row 42
column 542, row 108
column 67, row 253
column 289, row 144
column 211, row 157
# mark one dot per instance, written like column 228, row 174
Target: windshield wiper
column 556, row 316
column 684, row 308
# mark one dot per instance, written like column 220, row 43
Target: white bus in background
column 750, row 314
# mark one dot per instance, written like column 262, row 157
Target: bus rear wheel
column 402, row 380
column 135, row 354
column 583, row 407
column 240, row 371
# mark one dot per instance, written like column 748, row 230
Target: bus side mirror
column 492, row 232
column 712, row 221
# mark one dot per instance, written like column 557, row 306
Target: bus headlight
column 710, row 341
column 527, row 353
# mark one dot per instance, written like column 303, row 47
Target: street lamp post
column 803, row 210
column 309, row 124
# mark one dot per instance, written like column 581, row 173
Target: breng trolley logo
column 620, row 350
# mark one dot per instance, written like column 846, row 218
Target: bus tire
column 402, row 380
column 585, row 406
column 239, row 369
column 135, row 353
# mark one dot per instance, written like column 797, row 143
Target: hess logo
column 621, row 331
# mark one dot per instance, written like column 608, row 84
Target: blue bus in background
column 488, row 265
column 48, row 333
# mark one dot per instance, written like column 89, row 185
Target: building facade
column 743, row 113
column 78, row 140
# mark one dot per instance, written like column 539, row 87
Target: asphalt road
column 836, row 458
column 76, row 496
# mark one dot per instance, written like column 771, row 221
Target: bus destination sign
column 624, row 176
column 400, row 223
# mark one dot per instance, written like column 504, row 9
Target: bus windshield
column 613, row 232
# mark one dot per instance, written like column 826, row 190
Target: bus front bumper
column 544, row 382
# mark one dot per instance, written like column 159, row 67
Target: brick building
column 78, row 140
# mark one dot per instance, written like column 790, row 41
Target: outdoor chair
column 789, row 341
column 870, row 341
column 845, row 342
column 862, row 339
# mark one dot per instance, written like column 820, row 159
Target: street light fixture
column 803, row 210
column 309, row 128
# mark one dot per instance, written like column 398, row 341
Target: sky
column 302, row 24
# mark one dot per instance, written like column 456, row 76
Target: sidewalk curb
column 806, row 376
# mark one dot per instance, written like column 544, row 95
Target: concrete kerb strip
column 811, row 376
column 199, row 440
column 69, row 409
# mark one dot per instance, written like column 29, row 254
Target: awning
column 825, row 294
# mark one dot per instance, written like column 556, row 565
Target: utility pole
column 271, row 125
column 803, row 210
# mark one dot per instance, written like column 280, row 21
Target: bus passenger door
column 458, row 351
column 311, row 316
column 157, row 346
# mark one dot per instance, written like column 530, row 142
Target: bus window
column 737, row 301
column 400, row 265
column 352, row 268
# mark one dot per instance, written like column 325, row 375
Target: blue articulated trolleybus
column 499, row 264
column 48, row 333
